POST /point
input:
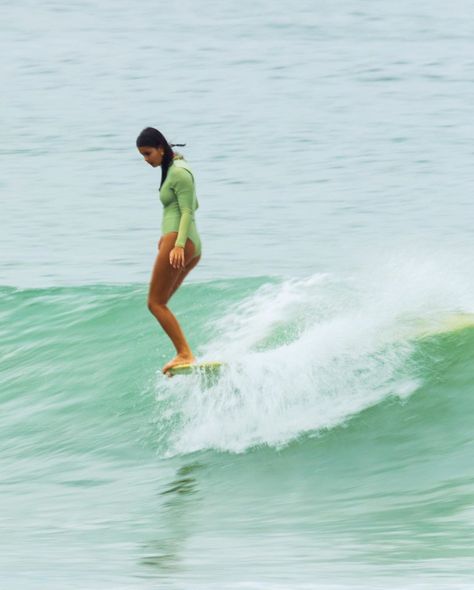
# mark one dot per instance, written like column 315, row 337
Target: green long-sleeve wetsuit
column 178, row 195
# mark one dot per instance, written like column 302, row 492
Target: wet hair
column 151, row 137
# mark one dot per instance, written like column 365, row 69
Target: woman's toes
column 178, row 360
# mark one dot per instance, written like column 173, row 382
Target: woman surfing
column 179, row 248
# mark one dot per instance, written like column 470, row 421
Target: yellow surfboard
column 204, row 368
column 453, row 322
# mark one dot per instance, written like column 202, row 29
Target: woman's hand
column 177, row 257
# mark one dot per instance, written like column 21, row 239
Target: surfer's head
column 156, row 150
column 153, row 146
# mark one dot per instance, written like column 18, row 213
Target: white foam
column 305, row 355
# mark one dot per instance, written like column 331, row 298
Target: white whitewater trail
column 307, row 354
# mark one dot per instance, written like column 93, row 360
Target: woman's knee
column 156, row 304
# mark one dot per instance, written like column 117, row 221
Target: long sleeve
column 184, row 190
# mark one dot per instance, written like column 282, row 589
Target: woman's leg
column 164, row 282
column 185, row 271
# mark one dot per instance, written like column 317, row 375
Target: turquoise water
column 332, row 149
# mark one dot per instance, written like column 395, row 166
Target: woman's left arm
column 184, row 190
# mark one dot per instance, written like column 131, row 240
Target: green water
column 359, row 474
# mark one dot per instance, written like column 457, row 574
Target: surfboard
column 453, row 322
column 204, row 368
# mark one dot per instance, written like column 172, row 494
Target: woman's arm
column 184, row 190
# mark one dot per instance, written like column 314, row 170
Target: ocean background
column 332, row 145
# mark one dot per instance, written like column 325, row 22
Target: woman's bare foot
column 180, row 359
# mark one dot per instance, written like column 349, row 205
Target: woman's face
column 152, row 155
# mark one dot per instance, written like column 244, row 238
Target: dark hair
column 151, row 137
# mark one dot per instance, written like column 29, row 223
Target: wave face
column 341, row 420
column 304, row 356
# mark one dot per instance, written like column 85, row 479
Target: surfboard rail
column 202, row 368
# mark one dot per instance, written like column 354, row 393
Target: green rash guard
column 178, row 196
